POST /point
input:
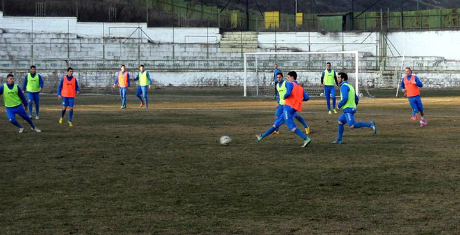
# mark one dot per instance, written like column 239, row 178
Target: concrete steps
column 239, row 42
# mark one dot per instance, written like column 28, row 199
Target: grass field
column 162, row 170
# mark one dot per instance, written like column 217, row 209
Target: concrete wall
column 426, row 43
column 314, row 41
column 99, row 30
column 104, row 79
column 429, row 43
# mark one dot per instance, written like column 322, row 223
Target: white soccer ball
column 322, row 94
column 225, row 140
column 361, row 95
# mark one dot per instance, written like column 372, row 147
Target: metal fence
column 181, row 13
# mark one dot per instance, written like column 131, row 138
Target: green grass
column 162, row 170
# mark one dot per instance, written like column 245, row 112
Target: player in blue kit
column 294, row 96
column 33, row 85
column 67, row 90
column 410, row 86
column 329, row 80
column 15, row 103
column 281, row 91
column 145, row 83
column 349, row 102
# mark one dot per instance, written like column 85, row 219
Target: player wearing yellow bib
column 144, row 82
column 329, row 80
column 15, row 103
column 33, row 85
column 349, row 102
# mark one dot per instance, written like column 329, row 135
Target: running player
column 349, row 102
column 281, row 90
column 294, row 96
column 409, row 85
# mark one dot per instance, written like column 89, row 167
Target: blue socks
column 300, row 133
column 302, row 121
column 140, row 98
column 70, row 115
column 30, row 122
column 37, row 108
column 269, row 131
column 30, row 108
column 62, row 113
column 339, row 135
column 363, row 124
column 16, row 123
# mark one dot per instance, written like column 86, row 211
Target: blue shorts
column 416, row 104
column 19, row 110
column 68, row 101
column 289, row 114
column 348, row 118
column 279, row 111
column 33, row 97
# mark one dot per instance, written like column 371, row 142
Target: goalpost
column 308, row 64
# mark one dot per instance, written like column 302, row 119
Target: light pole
column 296, row 7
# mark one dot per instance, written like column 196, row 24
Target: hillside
column 327, row 6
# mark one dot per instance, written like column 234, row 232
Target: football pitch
column 163, row 171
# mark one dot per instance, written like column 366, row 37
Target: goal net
column 259, row 70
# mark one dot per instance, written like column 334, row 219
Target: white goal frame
column 355, row 53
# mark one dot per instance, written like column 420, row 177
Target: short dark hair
column 294, row 74
column 409, row 68
column 10, row 75
column 344, row 76
column 141, row 65
column 33, row 67
column 123, row 65
column 281, row 74
column 329, row 63
column 69, row 68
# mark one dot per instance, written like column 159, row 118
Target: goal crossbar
column 355, row 53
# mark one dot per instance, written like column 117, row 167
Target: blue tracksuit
column 329, row 91
column 123, row 90
column 415, row 101
column 142, row 90
column 348, row 113
column 34, row 97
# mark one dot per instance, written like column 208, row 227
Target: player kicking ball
column 409, row 86
column 15, row 103
column 349, row 101
column 67, row 90
column 294, row 96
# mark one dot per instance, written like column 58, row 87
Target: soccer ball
column 225, row 140
column 322, row 94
